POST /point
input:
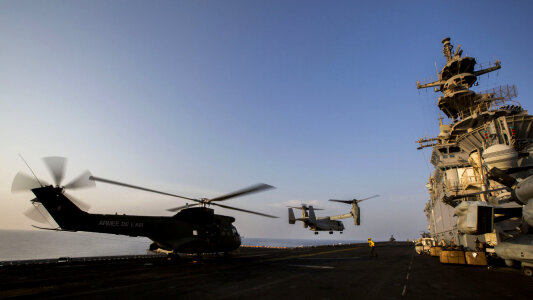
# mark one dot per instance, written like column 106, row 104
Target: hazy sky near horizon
column 201, row 98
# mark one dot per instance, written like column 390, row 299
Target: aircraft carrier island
column 482, row 186
column 322, row 272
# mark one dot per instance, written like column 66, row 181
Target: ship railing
column 428, row 82
column 491, row 100
column 507, row 92
column 481, row 68
column 491, row 64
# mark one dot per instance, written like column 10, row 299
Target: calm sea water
column 20, row 244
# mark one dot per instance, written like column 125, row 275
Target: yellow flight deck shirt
column 371, row 243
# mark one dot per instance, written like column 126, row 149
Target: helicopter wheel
column 331, row 232
column 316, row 232
column 341, row 232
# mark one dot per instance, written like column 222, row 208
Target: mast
column 455, row 80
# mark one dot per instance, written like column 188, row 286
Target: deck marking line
column 312, row 266
column 330, row 258
column 308, row 255
column 407, row 277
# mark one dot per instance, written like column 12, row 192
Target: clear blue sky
column 201, row 98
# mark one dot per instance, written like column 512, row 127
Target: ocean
column 22, row 244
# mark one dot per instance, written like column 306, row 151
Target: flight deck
column 322, row 272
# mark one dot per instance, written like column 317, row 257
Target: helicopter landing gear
column 331, row 232
column 316, row 232
column 173, row 257
column 341, row 232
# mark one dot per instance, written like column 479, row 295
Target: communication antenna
column 31, row 170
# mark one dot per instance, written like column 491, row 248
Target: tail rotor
column 23, row 182
column 56, row 166
column 82, row 181
column 37, row 213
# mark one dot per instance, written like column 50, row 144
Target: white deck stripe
column 407, row 276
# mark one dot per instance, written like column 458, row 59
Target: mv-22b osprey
column 329, row 223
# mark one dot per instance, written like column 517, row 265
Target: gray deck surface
column 327, row 272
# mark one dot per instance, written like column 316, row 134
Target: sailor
column 372, row 247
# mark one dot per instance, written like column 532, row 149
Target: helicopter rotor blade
column 342, row 201
column 33, row 214
column 23, row 182
column 56, row 166
column 244, row 210
column 248, row 190
column 82, row 181
column 367, row 198
column 38, row 214
column 307, row 208
column 94, row 178
column 304, row 207
column 182, row 207
column 80, row 204
column 351, row 201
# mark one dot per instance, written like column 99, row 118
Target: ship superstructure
column 481, row 156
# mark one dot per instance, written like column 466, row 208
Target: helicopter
column 328, row 223
column 315, row 224
column 194, row 229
